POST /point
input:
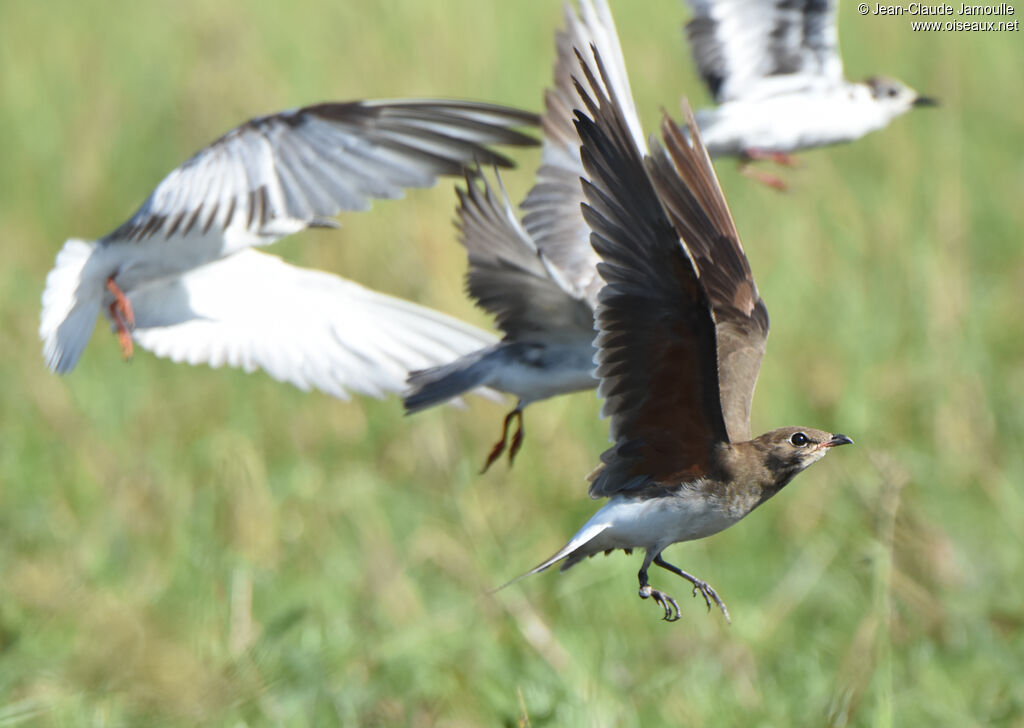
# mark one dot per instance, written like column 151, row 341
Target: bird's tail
column 429, row 387
column 573, row 552
column 71, row 301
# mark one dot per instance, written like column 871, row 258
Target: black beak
column 926, row 101
column 836, row 440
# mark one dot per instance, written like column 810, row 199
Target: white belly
column 657, row 522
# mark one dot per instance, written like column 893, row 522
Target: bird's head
column 895, row 96
column 788, row 450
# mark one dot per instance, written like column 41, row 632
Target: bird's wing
column 552, row 215
column 748, row 48
column 310, row 328
column 508, row 276
column 689, row 192
column 657, row 358
column 277, row 174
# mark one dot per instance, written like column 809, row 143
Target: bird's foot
column 124, row 318
column 499, row 446
column 780, row 158
column 710, row 595
column 670, row 605
column 765, row 178
column 495, row 453
column 517, row 439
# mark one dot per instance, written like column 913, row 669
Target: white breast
column 658, row 522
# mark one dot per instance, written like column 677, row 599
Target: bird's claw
column 709, row 594
column 663, row 600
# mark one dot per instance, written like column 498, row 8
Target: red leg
column 764, row 178
column 758, row 155
column 499, row 446
column 124, row 317
column 517, row 439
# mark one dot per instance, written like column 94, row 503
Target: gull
column 537, row 276
column 774, row 71
column 681, row 335
column 181, row 278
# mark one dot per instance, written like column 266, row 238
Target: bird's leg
column 781, row 158
column 663, row 600
column 517, row 439
column 764, row 178
column 124, row 317
column 703, row 587
column 499, row 446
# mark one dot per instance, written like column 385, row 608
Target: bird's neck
column 749, row 467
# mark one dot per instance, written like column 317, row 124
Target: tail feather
column 429, row 387
column 71, row 302
column 573, row 552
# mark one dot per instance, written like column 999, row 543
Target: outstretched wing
column 552, row 215
column 310, row 328
column 657, row 357
column 689, row 192
column 277, row 174
column 748, row 48
column 508, row 276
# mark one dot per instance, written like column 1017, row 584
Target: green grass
column 185, row 546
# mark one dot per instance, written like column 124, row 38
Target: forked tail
column 71, row 301
column 573, row 552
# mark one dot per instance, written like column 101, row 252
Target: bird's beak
column 836, row 440
column 926, row 101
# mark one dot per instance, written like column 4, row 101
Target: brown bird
column 681, row 335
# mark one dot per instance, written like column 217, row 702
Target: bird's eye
column 798, row 439
column 892, row 92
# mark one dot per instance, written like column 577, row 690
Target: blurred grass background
column 185, row 546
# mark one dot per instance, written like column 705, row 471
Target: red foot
column 758, row 155
column 764, row 178
column 499, row 446
column 124, row 317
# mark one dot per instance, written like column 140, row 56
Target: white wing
column 272, row 176
column 309, row 328
column 552, row 216
column 277, row 174
column 753, row 48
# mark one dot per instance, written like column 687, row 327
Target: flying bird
column 774, row 71
column 681, row 335
column 181, row 278
column 538, row 275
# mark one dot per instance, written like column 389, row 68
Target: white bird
column 538, row 277
column 774, row 71
column 180, row 277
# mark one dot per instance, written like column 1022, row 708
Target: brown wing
column 657, row 357
column 689, row 192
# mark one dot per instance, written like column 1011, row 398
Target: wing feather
column 508, row 276
column 657, row 357
column 690, row 193
column 750, row 48
column 551, row 208
column 318, row 161
column 310, row 328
